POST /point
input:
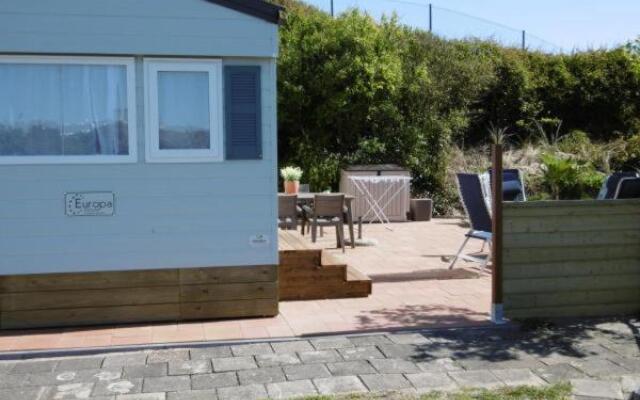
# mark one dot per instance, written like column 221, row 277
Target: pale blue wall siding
column 167, row 215
column 136, row 27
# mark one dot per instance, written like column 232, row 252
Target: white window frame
column 127, row 62
column 215, row 152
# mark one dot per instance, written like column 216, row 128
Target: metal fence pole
column 524, row 39
column 430, row 17
column 332, row 8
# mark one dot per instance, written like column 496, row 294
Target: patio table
column 306, row 198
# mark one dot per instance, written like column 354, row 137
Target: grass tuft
column 560, row 391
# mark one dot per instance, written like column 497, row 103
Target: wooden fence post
column 497, row 315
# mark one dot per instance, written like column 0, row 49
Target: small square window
column 184, row 110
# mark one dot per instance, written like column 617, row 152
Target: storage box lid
column 375, row 167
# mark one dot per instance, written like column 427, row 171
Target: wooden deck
column 413, row 288
column 307, row 272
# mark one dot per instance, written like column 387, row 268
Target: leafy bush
column 628, row 159
column 576, row 142
column 354, row 90
column 567, row 179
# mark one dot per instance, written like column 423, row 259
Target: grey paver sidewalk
column 600, row 358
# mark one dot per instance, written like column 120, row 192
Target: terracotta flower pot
column 291, row 187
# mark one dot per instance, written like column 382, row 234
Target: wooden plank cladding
column 571, row 258
column 93, row 298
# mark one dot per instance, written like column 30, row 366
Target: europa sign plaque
column 89, row 204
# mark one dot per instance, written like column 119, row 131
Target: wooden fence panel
column 571, row 258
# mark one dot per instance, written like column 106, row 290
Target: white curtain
column 63, row 109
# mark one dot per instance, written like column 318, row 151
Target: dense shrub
column 576, row 142
column 628, row 159
column 566, row 178
column 354, row 90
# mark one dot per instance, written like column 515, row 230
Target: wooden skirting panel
column 571, row 258
column 92, row 298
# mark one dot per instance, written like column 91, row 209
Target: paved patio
column 412, row 288
column 601, row 359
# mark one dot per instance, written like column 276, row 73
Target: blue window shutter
column 243, row 125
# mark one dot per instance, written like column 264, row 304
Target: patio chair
column 328, row 210
column 628, row 188
column 304, row 188
column 610, row 185
column 288, row 211
column 474, row 205
column 512, row 185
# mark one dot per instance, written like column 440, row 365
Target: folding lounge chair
column 512, row 185
column 628, row 188
column 610, row 185
column 474, row 204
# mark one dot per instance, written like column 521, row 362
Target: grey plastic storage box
column 396, row 210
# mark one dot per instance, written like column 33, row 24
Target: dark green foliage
column 575, row 142
column 352, row 90
column 629, row 158
column 568, row 179
column 604, row 96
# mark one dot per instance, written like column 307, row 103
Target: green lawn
column 556, row 392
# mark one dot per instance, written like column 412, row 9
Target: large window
column 66, row 110
column 184, row 110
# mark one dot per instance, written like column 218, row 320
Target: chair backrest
column 287, row 206
column 473, row 202
column 610, row 185
column 328, row 205
column 628, row 188
column 512, row 185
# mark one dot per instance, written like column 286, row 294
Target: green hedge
column 352, row 90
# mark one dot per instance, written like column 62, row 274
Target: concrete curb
column 89, row 351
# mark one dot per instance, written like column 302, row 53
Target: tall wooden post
column 496, row 248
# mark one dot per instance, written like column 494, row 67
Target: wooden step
column 355, row 275
column 307, row 260
column 328, row 260
column 359, row 280
column 333, row 281
column 308, row 273
column 330, row 272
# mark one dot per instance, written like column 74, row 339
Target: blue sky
column 552, row 24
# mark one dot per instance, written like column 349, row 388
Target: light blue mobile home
column 137, row 160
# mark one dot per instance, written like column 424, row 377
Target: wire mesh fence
column 441, row 21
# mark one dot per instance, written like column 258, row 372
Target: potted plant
column 291, row 176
